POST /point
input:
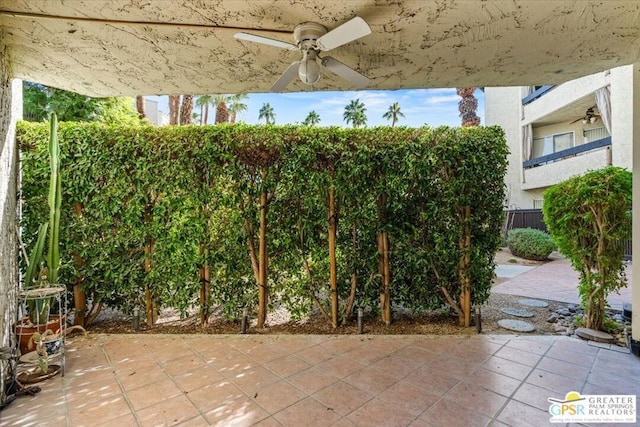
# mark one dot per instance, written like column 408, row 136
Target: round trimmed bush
column 530, row 243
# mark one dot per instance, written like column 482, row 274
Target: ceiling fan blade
column 265, row 40
column 576, row 120
column 345, row 33
column 347, row 73
column 289, row 74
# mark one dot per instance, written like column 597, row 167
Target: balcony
column 536, row 94
column 552, row 168
column 569, row 152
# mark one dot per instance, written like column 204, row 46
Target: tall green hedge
column 191, row 194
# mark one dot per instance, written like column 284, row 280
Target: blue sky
column 434, row 107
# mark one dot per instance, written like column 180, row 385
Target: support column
column 635, row 285
column 11, row 111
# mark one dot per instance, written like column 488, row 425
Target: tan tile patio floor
column 301, row 380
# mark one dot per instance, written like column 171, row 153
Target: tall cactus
column 55, row 201
column 32, row 276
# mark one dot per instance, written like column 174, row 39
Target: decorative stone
column 553, row 318
column 618, row 318
column 518, row 312
column 572, row 308
column 593, row 335
column 533, row 303
column 516, row 325
column 563, row 311
column 560, row 328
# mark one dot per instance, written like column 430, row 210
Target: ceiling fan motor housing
column 308, row 32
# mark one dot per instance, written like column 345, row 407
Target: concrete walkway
column 302, row 380
column 555, row 280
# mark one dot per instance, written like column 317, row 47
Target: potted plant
column 42, row 370
column 49, row 346
column 42, row 271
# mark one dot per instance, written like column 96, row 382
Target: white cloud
column 441, row 99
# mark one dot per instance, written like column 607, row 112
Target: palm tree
column 186, row 110
column 468, row 106
column 222, row 111
column 354, row 113
column 393, row 113
column 142, row 114
column 237, row 106
column 266, row 113
column 312, row 119
column 203, row 101
column 174, row 109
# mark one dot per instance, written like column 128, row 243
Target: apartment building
column 556, row 132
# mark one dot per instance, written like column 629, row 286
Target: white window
column 552, row 144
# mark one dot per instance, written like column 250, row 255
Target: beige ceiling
column 125, row 47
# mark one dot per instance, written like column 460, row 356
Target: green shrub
column 530, row 243
column 588, row 216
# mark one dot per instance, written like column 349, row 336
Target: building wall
column 633, row 136
column 503, row 107
column 624, row 89
column 506, row 111
column 11, row 108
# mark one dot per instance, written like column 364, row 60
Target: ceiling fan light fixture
column 584, row 121
column 309, row 69
column 312, row 38
column 592, row 119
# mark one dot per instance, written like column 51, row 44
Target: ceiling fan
column 311, row 39
column 590, row 116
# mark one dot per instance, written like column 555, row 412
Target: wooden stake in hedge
column 384, row 271
column 79, row 297
column 259, row 258
column 333, row 266
column 151, row 306
column 263, row 262
column 383, row 264
column 464, row 243
column 205, row 280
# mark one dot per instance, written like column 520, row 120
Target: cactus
column 34, row 276
column 55, row 201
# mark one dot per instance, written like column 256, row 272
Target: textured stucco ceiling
column 83, row 45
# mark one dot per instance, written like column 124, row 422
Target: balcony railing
column 536, row 94
column 569, row 152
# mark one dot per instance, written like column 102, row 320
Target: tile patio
column 302, row 380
